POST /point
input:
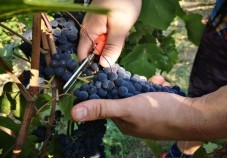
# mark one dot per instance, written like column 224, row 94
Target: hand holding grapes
column 118, row 22
column 161, row 115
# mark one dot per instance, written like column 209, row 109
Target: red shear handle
column 100, row 43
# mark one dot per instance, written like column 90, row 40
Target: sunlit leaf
column 194, row 27
column 18, row 7
column 159, row 13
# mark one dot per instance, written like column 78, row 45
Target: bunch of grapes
column 107, row 83
column 40, row 131
column 85, row 142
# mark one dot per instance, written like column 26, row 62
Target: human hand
column 122, row 16
column 146, row 115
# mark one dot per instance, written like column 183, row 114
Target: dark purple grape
column 72, row 64
column 95, row 67
column 54, row 63
column 82, row 95
column 49, row 71
column 84, row 87
column 62, row 39
column 56, row 57
column 67, row 75
column 138, row 87
column 67, row 57
column 54, row 23
column 101, row 93
column 88, row 72
column 69, row 25
column 101, row 77
column 94, row 96
column 119, row 82
column 65, row 31
column 122, row 91
column 107, row 85
column 62, row 63
column 72, row 37
column 145, row 88
column 59, row 71
column 56, row 32
column 61, row 21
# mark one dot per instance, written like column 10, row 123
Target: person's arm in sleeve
column 162, row 115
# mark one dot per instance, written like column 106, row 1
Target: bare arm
column 162, row 115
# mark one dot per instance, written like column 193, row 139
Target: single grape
column 67, row 75
column 54, row 63
column 49, row 71
column 59, row 71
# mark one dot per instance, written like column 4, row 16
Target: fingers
column 84, row 46
column 112, row 49
column 159, row 80
column 99, row 109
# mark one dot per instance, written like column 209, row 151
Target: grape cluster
column 66, row 35
column 85, row 142
column 108, row 83
column 116, row 83
column 40, row 131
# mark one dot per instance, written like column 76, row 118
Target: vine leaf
column 10, row 124
column 159, row 13
column 66, row 103
column 210, row 147
column 12, row 8
column 154, row 146
column 6, row 144
column 4, row 105
column 194, row 27
column 13, row 100
column 29, row 148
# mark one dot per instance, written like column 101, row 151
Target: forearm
column 202, row 118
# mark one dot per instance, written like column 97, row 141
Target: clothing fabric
column 219, row 18
column 209, row 71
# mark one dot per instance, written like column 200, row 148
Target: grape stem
column 46, row 104
column 49, row 131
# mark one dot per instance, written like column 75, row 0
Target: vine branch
column 34, row 86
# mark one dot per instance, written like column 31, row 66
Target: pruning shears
column 96, row 51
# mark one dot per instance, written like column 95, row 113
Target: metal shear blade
column 99, row 45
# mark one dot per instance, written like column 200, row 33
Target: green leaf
column 220, row 141
column 42, row 100
column 5, row 106
column 66, row 103
column 26, row 20
column 10, row 124
column 16, row 100
column 200, row 153
column 170, row 53
column 20, row 105
column 29, row 149
column 54, row 148
column 158, row 13
column 18, row 7
column 6, row 144
column 139, row 61
column 155, row 147
column 194, row 27
column 210, row 147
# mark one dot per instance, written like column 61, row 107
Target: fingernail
column 81, row 113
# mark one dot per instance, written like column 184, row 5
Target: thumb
column 112, row 49
column 98, row 109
